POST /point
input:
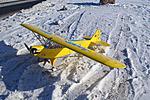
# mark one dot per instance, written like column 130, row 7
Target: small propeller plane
column 67, row 47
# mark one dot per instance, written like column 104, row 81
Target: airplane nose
column 33, row 50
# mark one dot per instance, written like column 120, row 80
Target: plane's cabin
column 47, row 43
column 53, row 45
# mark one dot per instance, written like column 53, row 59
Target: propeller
column 30, row 49
column 34, row 51
column 27, row 47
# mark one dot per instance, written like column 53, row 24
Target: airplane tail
column 96, row 38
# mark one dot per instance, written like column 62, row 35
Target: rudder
column 96, row 36
column 96, row 39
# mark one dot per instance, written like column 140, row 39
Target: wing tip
column 23, row 24
column 116, row 64
column 121, row 65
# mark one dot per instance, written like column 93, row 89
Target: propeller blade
column 27, row 47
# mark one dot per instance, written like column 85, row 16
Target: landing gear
column 43, row 60
column 52, row 69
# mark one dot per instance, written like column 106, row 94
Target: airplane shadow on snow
column 22, row 72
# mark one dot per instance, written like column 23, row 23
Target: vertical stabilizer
column 96, row 39
column 96, row 36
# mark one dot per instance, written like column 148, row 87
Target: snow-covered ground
column 125, row 25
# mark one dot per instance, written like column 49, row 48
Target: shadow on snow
column 86, row 4
column 22, row 72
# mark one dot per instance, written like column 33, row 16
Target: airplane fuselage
column 46, row 52
column 80, row 46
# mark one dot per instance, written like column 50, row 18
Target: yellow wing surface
column 86, row 52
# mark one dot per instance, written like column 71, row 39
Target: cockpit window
column 53, row 45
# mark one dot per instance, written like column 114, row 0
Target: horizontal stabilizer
column 87, row 37
column 103, row 43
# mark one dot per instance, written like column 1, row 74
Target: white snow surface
column 125, row 25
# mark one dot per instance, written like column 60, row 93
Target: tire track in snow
column 78, row 22
column 67, row 23
column 131, row 58
column 120, row 45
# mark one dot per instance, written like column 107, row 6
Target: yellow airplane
column 67, row 47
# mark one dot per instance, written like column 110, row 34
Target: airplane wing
column 86, row 52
